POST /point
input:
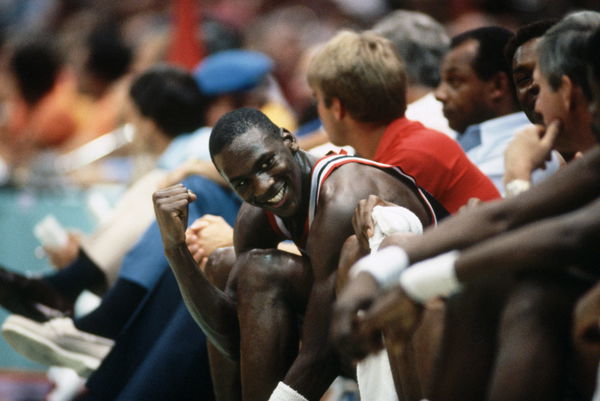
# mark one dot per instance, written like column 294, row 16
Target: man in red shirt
column 359, row 82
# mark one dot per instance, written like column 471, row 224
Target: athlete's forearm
column 211, row 308
column 556, row 243
column 570, row 188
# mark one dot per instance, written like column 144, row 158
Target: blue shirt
column 184, row 147
column 485, row 143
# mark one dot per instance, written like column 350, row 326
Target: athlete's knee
column 219, row 265
column 264, row 268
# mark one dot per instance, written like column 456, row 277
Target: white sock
column 283, row 392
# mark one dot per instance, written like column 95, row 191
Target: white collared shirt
column 429, row 112
column 494, row 137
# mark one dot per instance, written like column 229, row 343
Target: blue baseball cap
column 232, row 71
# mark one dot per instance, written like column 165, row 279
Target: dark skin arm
column 554, row 243
column 317, row 363
column 213, row 309
column 550, row 198
column 570, row 188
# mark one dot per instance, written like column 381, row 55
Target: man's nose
column 262, row 184
column 440, row 92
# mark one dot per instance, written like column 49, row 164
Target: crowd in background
column 127, row 93
column 60, row 91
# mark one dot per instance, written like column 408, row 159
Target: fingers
column 203, row 222
column 211, row 218
column 362, row 221
column 176, row 191
column 198, row 225
column 346, row 336
column 551, row 134
column 393, row 312
column 173, row 199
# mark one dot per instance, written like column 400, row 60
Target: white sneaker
column 56, row 342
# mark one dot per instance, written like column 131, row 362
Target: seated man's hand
column 394, row 314
column 355, row 298
column 171, row 210
column 471, row 203
column 529, row 149
column 206, row 234
column 363, row 222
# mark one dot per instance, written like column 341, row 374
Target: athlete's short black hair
column 236, row 123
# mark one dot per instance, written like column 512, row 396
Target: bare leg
column 350, row 253
column 418, row 359
column 272, row 290
column 225, row 375
column 468, row 343
column 225, row 372
column 534, row 340
column 404, row 370
column 426, row 342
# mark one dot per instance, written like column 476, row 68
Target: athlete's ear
column 337, row 108
column 290, row 140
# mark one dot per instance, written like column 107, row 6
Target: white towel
column 392, row 219
column 374, row 375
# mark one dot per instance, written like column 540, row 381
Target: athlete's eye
column 268, row 163
column 240, row 185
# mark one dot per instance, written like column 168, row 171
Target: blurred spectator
column 101, row 66
column 284, row 35
column 421, row 42
column 38, row 99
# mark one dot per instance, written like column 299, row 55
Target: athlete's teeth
column 277, row 197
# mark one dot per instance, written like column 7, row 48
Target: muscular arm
column 553, row 243
column 213, row 309
column 317, row 363
column 569, row 189
column 551, row 198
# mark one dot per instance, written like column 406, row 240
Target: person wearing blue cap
column 242, row 78
column 232, row 71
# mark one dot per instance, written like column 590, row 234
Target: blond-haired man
column 359, row 82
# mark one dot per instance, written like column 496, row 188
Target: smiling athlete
column 273, row 315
